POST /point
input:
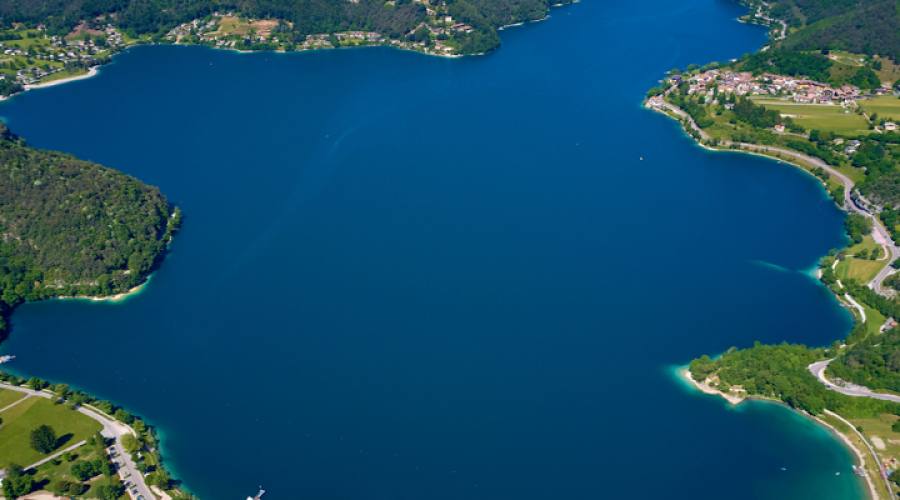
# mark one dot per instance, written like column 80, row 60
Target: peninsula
column 823, row 96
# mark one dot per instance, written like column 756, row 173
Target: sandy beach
column 92, row 72
column 707, row 389
column 119, row 297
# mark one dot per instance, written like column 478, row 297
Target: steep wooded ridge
column 71, row 227
column 859, row 26
column 302, row 17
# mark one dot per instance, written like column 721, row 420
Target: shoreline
column 112, row 299
column 92, row 72
column 684, row 373
column 714, row 149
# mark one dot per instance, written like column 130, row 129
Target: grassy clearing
column 889, row 71
column 826, row 117
column 8, row 397
column 887, row 106
column 232, row 26
column 874, row 320
column 20, row 420
column 861, row 270
column 867, row 245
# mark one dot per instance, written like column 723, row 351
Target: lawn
column 61, row 468
column 861, row 270
column 868, row 244
column 8, row 397
column 874, row 320
column 20, row 420
column 887, row 106
column 826, row 117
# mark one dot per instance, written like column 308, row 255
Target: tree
column 43, row 439
column 17, row 483
column 159, row 478
column 109, row 491
column 130, row 443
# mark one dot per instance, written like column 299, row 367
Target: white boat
column 6, row 358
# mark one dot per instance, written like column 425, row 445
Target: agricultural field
column 825, row 117
column 886, row 106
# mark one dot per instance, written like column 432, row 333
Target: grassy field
column 867, row 245
column 874, row 320
column 889, row 71
column 20, row 420
column 826, row 117
column 861, row 270
column 871, row 467
column 9, row 397
column 887, row 106
column 878, row 430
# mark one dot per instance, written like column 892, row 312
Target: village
column 798, row 90
column 227, row 30
column 29, row 56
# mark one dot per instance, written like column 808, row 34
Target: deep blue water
column 403, row 277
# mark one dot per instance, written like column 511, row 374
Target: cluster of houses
column 64, row 51
column 744, row 83
column 440, row 27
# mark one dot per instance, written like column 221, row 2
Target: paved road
column 58, row 453
column 879, row 233
column 112, row 429
column 846, row 388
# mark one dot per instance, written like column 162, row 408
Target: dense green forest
column 873, row 362
column 860, row 26
column 72, row 227
column 780, row 372
column 156, row 17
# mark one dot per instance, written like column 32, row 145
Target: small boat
column 259, row 494
column 6, row 358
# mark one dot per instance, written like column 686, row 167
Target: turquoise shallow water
column 403, row 277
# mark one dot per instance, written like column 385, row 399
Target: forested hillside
column 873, row 362
column 860, row 26
column 305, row 17
column 72, row 227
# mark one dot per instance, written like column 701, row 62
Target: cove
column 404, row 277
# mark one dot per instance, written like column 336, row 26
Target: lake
column 406, row 277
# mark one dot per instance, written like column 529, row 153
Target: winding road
column 112, row 429
column 846, row 388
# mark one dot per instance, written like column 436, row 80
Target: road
column 846, row 388
column 58, row 453
column 856, row 391
column 881, row 468
column 112, row 429
column 879, row 233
